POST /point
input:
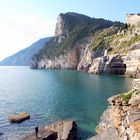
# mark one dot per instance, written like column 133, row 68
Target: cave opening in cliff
column 118, row 68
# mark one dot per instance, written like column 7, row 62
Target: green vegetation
column 103, row 38
column 130, row 42
column 124, row 45
column 103, row 33
column 126, row 96
column 116, row 37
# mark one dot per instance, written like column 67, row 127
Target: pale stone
column 133, row 19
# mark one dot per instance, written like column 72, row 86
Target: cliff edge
column 93, row 45
column 121, row 121
column 73, row 34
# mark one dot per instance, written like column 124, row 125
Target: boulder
column 19, row 118
column 60, row 130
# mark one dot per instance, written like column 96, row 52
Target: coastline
column 117, row 122
column 68, row 76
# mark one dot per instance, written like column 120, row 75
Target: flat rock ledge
column 60, row 130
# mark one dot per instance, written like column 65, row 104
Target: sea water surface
column 50, row 95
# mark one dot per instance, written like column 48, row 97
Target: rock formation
column 93, row 45
column 61, row 30
column 133, row 19
column 121, row 56
column 19, row 117
column 60, row 130
column 65, row 50
column 121, row 121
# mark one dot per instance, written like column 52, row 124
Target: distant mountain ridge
column 24, row 57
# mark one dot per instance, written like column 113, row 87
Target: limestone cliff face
column 61, row 30
column 69, row 60
column 64, row 61
column 121, row 121
column 93, row 45
column 73, row 35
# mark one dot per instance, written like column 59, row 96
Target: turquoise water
column 50, row 95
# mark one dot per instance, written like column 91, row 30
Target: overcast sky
column 22, row 22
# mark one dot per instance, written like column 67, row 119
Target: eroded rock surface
column 60, row 130
column 121, row 121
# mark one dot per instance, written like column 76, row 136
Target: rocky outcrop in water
column 19, row 117
column 112, row 64
column 60, row 130
column 121, row 121
column 117, row 64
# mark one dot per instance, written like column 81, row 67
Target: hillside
column 24, row 57
column 64, row 50
column 118, row 53
column 93, row 45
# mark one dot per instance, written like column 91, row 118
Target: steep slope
column 93, row 45
column 24, row 57
column 118, row 53
column 73, row 32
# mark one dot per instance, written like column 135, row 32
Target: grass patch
column 131, row 41
column 126, row 96
column 103, row 38
column 123, row 46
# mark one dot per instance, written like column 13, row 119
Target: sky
column 22, row 22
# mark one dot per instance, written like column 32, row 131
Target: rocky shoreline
column 121, row 121
column 60, row 130
column 103, row 47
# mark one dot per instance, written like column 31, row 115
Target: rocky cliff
column 93, row 45
column 121, row 121
column 117, row 53
column 61, row 30
column 59, row 130
column 73, row 34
